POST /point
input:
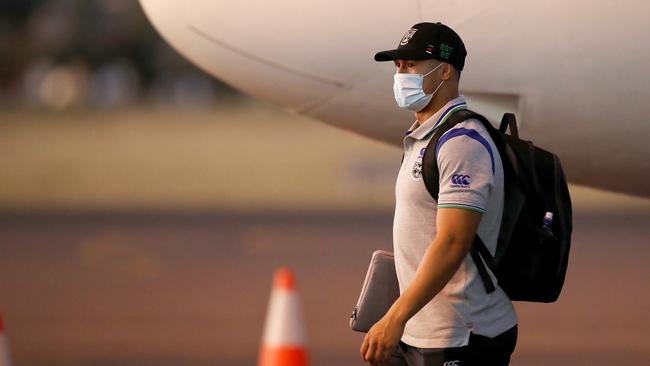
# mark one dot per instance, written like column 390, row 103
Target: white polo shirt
column 471, row 177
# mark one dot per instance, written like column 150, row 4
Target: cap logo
column 407, row 36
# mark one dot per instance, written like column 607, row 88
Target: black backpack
column 532, row 253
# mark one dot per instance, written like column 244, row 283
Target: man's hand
column 382, row 339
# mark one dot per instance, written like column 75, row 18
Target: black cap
column 428, row 40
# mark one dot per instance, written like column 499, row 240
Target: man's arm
column 456, row 229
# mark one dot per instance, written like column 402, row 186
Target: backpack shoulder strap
column 430, row 172
column 431, row 178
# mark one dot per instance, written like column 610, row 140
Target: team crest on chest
column 416, row 172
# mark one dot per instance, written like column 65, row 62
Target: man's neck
column 439, row 100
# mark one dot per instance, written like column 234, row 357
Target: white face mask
column 409, row 93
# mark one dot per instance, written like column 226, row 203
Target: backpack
column 532, row 252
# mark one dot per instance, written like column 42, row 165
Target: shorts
column 481, row 350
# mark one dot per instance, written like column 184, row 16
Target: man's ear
column 447, row 71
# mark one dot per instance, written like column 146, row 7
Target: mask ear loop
column 434, row 69
column 442, row 81
column 439, row 85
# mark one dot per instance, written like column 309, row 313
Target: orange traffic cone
column 5, row 359
column 284, row 339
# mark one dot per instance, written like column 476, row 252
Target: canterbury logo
column 452, row 363
column 461, row 180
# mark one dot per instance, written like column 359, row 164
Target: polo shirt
column 471, row 177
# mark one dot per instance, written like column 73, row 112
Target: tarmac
column 191, row 288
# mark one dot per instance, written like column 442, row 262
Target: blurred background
column 144, row 206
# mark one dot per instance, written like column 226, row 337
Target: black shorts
column 481, row 350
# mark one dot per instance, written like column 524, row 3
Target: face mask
column 409, row 93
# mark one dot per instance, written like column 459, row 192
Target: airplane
column 574, row 73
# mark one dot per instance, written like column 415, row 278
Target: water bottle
column 548, row 222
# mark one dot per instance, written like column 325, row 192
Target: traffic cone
column 283, row 343
column 5, row 358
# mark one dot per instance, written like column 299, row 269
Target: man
column 444, row 316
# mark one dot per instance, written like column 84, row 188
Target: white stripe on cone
column 5, row 358
column 284, row 339
column 284, row 326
